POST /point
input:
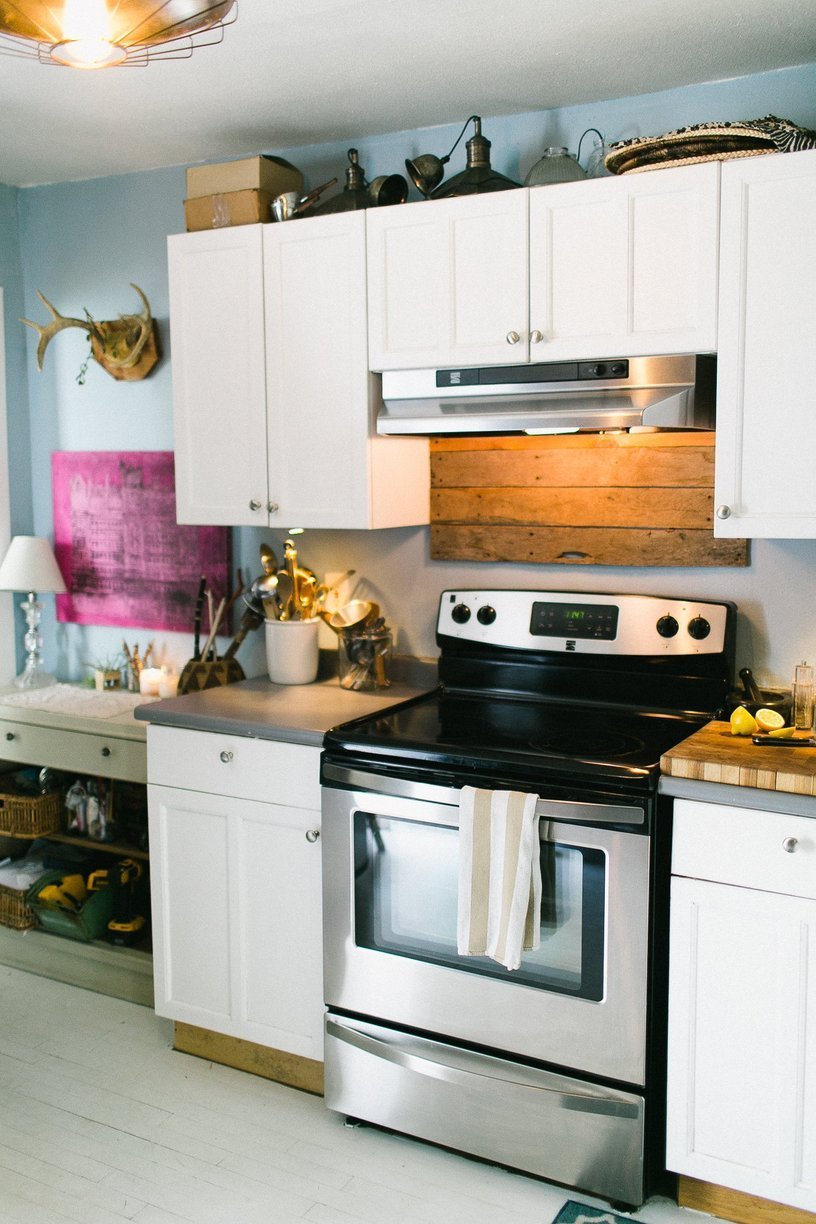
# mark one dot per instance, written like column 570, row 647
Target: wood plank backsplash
column 579, row 499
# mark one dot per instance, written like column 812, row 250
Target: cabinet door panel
column 192, row 939
column 281, row 931
column 219, row 413
column 625, row 267
column 447, row 282
column 577, row 271
column 318, row 381
column 739, row 1050
column 766, row 395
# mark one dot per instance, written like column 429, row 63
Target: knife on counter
column 777, row 742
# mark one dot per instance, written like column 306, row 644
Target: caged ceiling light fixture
column 111, row 33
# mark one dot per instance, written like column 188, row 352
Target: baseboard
column 291, row 1069
column 736, row 1207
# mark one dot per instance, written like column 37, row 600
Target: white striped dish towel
column 499, row 897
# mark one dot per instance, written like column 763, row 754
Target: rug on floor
column 581, row 1213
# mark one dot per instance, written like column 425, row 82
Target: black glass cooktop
column 482, row 732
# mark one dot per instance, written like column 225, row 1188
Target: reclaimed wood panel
column 580, row 499
column 713, row 754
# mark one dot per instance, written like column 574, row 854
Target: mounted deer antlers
column 126, row 347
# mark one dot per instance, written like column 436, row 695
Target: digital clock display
column 568, row 620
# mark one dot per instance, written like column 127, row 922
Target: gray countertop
column 739, row 796
column 298, row 713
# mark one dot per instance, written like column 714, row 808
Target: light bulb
column 86, row 37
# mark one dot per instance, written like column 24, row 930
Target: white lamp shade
column 30, row 565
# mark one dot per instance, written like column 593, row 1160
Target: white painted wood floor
column 101, row 1121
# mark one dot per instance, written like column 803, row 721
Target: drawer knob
column 106, row 751
column 513, row 337
column 536, row 336
column 312, row 835
column 790, row 844
column 723, row 512
column 9, row 735
column 255, row 504
column 226, row 757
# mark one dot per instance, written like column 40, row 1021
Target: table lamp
column 30, row 566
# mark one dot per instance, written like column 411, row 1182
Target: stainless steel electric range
column 557, row 1068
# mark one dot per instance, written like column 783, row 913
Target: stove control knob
column 699, row 628
column 461, row 614
column 667, row 626
column 486, row 615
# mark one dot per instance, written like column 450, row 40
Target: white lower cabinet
column 742, row 1002
column 236, row 886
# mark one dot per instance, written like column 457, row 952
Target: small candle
column 149, row 679
column 168, row 683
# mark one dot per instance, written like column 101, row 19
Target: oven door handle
column 582, row 1102
column 546, row 809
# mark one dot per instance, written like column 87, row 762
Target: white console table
column 77, row 730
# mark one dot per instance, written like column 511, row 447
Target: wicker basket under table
column 14, row 910
column 30, row 815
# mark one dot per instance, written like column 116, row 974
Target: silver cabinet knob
column 272, row 507
column 312, row 835
column 723, row 512
column 226, row 757
column 790, row 844
column 536, row 336
column 106, row 751
column 255, row 504
column 513, row 337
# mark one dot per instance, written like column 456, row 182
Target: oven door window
column 405, row 901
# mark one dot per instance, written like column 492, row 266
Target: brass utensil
column 352, row 615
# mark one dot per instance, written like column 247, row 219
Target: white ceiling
column 294, row 72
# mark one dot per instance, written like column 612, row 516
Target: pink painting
column 124, row 558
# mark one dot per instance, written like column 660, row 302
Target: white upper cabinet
column 611, row 267
column 219, row 370
column 625, row 267
column 273, row 403
column 326, row 467
column 766, row 394
column 447, row 282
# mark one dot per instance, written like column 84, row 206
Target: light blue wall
column 11, row 278
column 83, row 243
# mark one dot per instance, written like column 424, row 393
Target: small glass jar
column 364, row 659
column 556, row 166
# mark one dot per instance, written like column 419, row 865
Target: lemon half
column 769, row 720
column 782, row 733
column 743, row 722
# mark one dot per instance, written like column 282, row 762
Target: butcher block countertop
column 713, row 754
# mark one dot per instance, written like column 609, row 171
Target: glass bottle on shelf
column 556, row 166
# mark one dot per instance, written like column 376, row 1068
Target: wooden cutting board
column 713, row 754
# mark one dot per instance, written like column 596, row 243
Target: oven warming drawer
column 551, row 1125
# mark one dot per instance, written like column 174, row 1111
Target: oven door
column 390, row 902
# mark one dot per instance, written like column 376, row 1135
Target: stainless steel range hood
column 560, row 397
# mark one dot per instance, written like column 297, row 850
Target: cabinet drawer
column 76, row 751
column 746, row 847
column 270, row 771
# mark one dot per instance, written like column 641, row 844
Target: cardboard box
column 227, row 208
column 270, row 174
